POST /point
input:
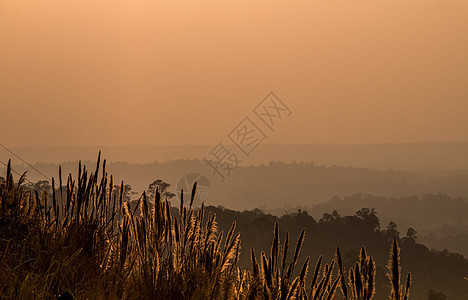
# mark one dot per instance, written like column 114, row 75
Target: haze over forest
column 419, row 185
column 335, row 116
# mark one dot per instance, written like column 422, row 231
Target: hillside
column 437, row 270
column 441, row 221
column 278, row 184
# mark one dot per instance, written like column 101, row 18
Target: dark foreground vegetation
column 440, row 271
column 82, row 240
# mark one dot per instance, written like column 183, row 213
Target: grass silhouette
column 87, row 242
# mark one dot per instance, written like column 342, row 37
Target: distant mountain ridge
column 416, row 157
column 276, row 184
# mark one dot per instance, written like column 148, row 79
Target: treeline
column 424, row 209
column 276, row 183
column 439, row 271
column 441, row 220
column 93, row 244
column 83, row 238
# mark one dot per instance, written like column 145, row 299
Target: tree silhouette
column 127, row 192
column 40, row 186
column 411, row 235
column 392, row 231
column 369, row 216
column 163, row 186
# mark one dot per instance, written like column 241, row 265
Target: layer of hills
column 433, row 204
column 276, row 184
column 429, row 156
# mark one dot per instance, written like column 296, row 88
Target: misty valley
column 234, row 150
column 369, row 233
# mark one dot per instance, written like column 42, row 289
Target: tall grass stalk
column 87, row 242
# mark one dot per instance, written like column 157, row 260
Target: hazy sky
column 114, row 72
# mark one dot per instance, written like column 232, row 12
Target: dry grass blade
column 370, row 285
column 304, row 270
column 194, row 192
column 255, row 268
column 230, row 253
column 181, row 209
column 407, row 287
column 358, row 279
column 332, row 291
column 275, row 247
column 343, row 287
column 394, row 271
column 293, row 290
column 296, row 253
column 313, row 285
column 229, row 236
column 267, row 276
column 144, row 207
column 285, row 253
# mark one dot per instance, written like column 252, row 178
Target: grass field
column 81, row 240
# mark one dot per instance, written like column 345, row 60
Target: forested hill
column 441, row 221
column 413, row 157
column 441, row 272
column 277, row 184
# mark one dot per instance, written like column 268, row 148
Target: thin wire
column 32, row 167
column 13, row 170
column 32, row 183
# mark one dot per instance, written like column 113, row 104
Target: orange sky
column 114, row 72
